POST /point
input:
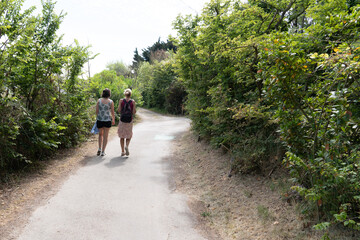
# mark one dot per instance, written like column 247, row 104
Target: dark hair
column 106, row 93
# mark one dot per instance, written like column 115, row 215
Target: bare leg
column 127, row 147
column 105, row 138
column 128, row 142
column 101, row 134
column 122, row 144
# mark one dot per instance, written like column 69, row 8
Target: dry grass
column 240, row 207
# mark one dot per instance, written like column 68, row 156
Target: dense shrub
column 160, row 86
column 43, row 104
column 174, row 98
column 267, row 77
column 313, row 79
column 217, row 62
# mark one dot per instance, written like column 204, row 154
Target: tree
column 117, row 85
column 159, row 46
column 137, row 60
column 120, row 68
column 43, row 104
column 160, row 87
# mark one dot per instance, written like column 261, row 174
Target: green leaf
column 322, row 226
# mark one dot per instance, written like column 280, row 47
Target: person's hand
column 113, row 122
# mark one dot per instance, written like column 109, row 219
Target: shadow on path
column 116, row 162
column 89, row 161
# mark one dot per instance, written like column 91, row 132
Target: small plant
column 247, row 193
column 273, row 185
column 205, row 214
column 264, row 213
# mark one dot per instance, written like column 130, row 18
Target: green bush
column 160, row 86
column 269, row 77
column 174, row 98
column 9, row 131
column 217, row 61
column 312, row 78
column 117, row 84
column 44, row 104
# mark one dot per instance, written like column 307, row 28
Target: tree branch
column 299, row 14
column 272, row 21
column 283, row 13
column 266, row 3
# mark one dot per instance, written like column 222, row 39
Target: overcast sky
column 114, row 28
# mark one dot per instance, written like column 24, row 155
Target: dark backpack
column 126, row 112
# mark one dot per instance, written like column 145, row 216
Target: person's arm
column 97, row 108
column 134, row 109
column 112, row 113
column 119, row 108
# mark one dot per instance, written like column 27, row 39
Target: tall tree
column 137, row 60
column 159, row 46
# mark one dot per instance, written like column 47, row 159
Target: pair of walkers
column 105, row 117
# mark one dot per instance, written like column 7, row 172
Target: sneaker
column 103, row 154
column 122, row 154
column 127, row 151
column 98, row 152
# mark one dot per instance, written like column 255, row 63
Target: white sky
column 114, row 28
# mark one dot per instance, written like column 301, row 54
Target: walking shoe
column 103, row 154
column 98, row 152
column 122, row 154
column 127, row 151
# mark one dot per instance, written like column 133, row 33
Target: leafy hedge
column 44, row 104
column 313, row 79
column 217, row 62
column 160, row 87
column 269, row 77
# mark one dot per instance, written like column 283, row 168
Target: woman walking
column 105, row 117
column 127, row 110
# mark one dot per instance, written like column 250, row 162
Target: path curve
column 121, row 198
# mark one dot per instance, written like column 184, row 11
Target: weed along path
column 112, row 197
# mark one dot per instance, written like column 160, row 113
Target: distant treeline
column 156, row 78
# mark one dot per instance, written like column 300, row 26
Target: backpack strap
column 131, row 105
column 123, row 104
column 124, row 100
